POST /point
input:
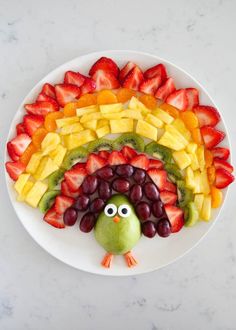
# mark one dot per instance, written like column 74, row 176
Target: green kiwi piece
column 185, row 195
column 55, row 178
column 47, row 200
column 158, row 151
column 191, row 215
column 74, row 156
column 174, row 173
column 100, row 144
column 131, row 139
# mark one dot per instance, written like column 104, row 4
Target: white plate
column 80, row 250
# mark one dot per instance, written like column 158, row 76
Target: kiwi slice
column 191, row 215
column 47, row 200
column 174, row 173
column 129, row 139
column 100, row 144
column 55, row 178
column 158, row 151
column 185, row 195
column 74, row 156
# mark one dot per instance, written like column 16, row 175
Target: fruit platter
column 118, row 163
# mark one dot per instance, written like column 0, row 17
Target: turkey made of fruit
column 121, row 151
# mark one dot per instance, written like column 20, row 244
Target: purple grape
column 97, row 205
column 87, row 222
column 163, row 228
column 143, row 211
column 120, row 185
column 157, row 209
column 151, row 191
column 125, row 170
column 148, row 229
column 82, row 203
column 104, row 190
column 70, row 216
column 136, row 193
column 89, row 184
column 139, row 175
column 105, row 173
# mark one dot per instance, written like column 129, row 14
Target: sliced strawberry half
column 211, row 136
column 20, row 128
column 128, row 152
column 66, row 93
column 116, row 158
column 62, row 203
column 155, row 163
column 178, row 99
column 104, row 154
column 220, row 152
column 49, row 90
column 95, row 162
column 20, row 143
column 175, row 216
column 157, row 70
column 11, row 152
column 88, row 86
column 14, row 169
column 67, row 192
column 75, row 177
column 54, row 219
column 193, row 97
column 74, row 78
column 169, row 186
column 159, row 177
column 207, row 115
column 168, row 197
column 32, row 123
column 150, row 86
column 223, row 178
column 220, row 163
column 125, row 70
column 41, row 108
column 140, row 161
column 133, row 79
column 79, row 165
column 45, row 97
column 165, row 90
column 105, row 64
column 105, row 80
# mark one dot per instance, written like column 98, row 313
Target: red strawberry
column 79, row 165
column 74, row 78
column 207, row 115
column 175, row 216
column 88, row 86
column 105, row 80
column 20, row 143
column 219, row 152
column 155, row 163
column 150, row 86
column 75, row 177
column 95, row 162
column 67, row 192
column 165, row 90
column 125, row 70
column 140, row 161
column 49, row 90
column 220, row 163
column 66, row 93
column 159, row 177
column 168, row 197
column 169, row 186
column 14, row 169
column 104, row 154
column 116, row 158
column 211, row 136
column 193, row 97
column 133, row 79
column 129, row 153
column 41, row 108
column 62, row 203
column 32, row 123
column 45, row 97
column 157, row 70
column 223, row 178
column 178, row 99
column 105, row 64
column 11, row 152
column 20, row 128
column 54, row 219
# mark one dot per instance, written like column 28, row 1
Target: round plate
column 80, row 250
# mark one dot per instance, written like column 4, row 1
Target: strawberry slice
column 223, row 178
column 155, row 163
column 140, row 161
column 62, row 203
column 74, row 78
column 125, row 70
column 220, row 163
column 67, row 192
column 128, row 152
column 75, row 177
column 11, row 152
column 220, row 152
column 157, row 70
column 45, row 97
column 66, row 93
column 104, row 154
column 49, row 90
column 207, row 115
column 165, row 90
column 32, row 123
column 95, row 162
column 193, row 97
column 169, row 186
column 41, row 108
column 133, row 79
column 159, row 177
column 105, row 64
column 79, row 165
column 14, row 169
column 20, row 143
column 105, row 80
column 175, row 216
column 178, row 99
column 168, row 197
column 20, row 128
column 88, row 86
column 211, row 136
column 54, row 219
column 116, row 158
column 150, row 86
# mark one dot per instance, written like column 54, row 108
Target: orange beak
column 116, row 219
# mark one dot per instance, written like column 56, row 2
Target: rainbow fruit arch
column 120, row 131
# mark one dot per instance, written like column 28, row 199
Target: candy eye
column 124, row 210
column 110, row 210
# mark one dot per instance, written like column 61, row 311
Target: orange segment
column 29, row 151
column 106, row 97
column 124, row 94
column 208, row 158
column 86, row 100
column 190, row 119
column 196, row 135
column 50, row 120
column 149, row 101
column 38, row 136
column 172, row 111
column 70, row 109
column 211, row 174
column 216, row 197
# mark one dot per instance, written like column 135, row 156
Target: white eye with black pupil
column 110, row 210
column 124, row 210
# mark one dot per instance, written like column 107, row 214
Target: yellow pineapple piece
column 170, row 141
column 58, row 154
column 46, row 167
column 182, row 159
column 198, row 201
column 172, row 130
column 72, row 128
column 205, row 188
column 194, row 161
column 154, row 121
column 91, row 116
column 122, row 125
column 92, row 124
column 50, row 142
column 180, row 126
column 34, row 162
column 86, row 110
column 206, row 208
column 66, row 121
column 78, row 139
column 21, row 181
column 102, row 122
column 115, row 115
column 201, row 157
column 147, row 130
column 28, row 185
column 111, row 108
column 163, row 116
column 135, row 104
column 189, row 178
column 197, row 179
column 134, row 114
column 102, row 131
column 191, row 148
column 36, row 192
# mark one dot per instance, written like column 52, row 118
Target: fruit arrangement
column 122, row 151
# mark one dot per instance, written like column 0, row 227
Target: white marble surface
column 39, row 292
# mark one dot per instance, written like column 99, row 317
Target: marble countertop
column 39, row 292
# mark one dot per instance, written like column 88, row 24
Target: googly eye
column 110, row 210
column 124, row 210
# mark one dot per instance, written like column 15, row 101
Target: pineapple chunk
column 21, row 181
column 154, row 121
column 66, row 121
column 163, row 116
column 134, row 114
column 72, row 128
column 111, row 108
column 147, row 130
column 201, row 157
column 50, row 142
column 46, row 167
column 191, row 148
column 86, row 110
column 58, row 155
column 92, row 124
column 122, row 125
column 34, row 162
column 102, row 131
column 35, row 194
column 135, row 104
column 26, row 189
column 198, row 201
column 172, row 130
column 102, row 122
column 169, row 141
column 206, row 208
column 115, row 115
column 78, row 139
column 91, row 116
column 189, row 178
column 179, row 125
column 204, row 185
column 182, row 159
column 197, row 179
column 194, row 161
